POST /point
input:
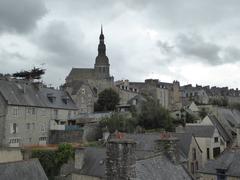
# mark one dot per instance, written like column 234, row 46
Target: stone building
column 224, row 167
column 208, row 138
column 122, row 160
column 167, row 94
column 91, row 80
column 29, row 110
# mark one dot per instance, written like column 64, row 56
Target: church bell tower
column 102, row 65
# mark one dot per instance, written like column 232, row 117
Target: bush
column 154, row 116
column 118, row 122
column 52, row 161
column 107, row 100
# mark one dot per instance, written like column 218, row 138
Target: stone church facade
column 90, row 80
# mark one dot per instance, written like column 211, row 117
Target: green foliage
column 47, row 160
column 154, row 116
column 119, row 122
column 190, row 118
column 107, row 100
column 222, row 101
column 235, row 106
column 202, row 113
column 52, row 161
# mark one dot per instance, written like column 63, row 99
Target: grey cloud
column 165, row 47
column 196, row 46
column 20, row 16
column 61, row 47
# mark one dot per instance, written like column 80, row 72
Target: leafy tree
column 203, row 113
column 107, row 100
column 153, row 116
column 52, row 161
column 119, row 122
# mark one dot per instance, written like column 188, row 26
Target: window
column 15, row 111
column 196, row 165
column 13, row 128
column 33, row 125
column 216, row 139
column 192, row 168
column 33, row 111
column 14, row 141
column 83, row 91
column 221, row 174
column 43, row 139
column 55, row 113
column 42, row 128
column 208, row 153
column 29, row 140
column 216, row 152
column 69, row 114
column 194, row 154
column 28, row 126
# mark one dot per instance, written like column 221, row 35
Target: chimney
column 168, row 146
column 121, row 159
column 79, row 158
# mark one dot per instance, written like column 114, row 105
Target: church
column 100, row 70
column 84, row 84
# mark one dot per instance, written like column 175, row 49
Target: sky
column 190, row 41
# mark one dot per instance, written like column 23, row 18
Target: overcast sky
column 192, row 41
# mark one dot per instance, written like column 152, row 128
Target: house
column 209, row 140
column 82, row 94
column 226, row 166
column 29, row 110
column 167, row 94
column 22, row 170
column 121, row 160
column 223, row 131
column 191, row 151
column 198, row 94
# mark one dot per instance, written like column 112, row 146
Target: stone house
column 223, row 131
column 122, row 160
column 29, row 110
column 197, row 94
column 226, row 166
column 191, row 151
column 83, row 96
column 167, row 94
column 208, row 138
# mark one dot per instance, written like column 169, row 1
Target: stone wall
column 74, row 136
column 92, row 132
column 10, row 155
column 121, row 159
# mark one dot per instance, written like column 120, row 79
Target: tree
column 107, row 100
column 52, row 161
column 118, row 122
column 153, row 116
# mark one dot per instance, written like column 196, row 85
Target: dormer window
column 51, row 97
column 65, row 99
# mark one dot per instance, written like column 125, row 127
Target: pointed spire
column 101, row 29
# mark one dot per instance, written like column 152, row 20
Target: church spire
column 101, row 46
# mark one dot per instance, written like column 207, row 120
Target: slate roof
column 22, row 170
column 185, row 140
column 160, row 168
column 154, row 168
column 26, row 94
column 228, row 161
column 200, row 130
column 227, row 136
column 81, row 73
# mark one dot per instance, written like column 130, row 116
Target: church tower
column 101, row 65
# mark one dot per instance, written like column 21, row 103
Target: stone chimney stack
column 121, row 159
column 168, row 146
column 79, row 158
